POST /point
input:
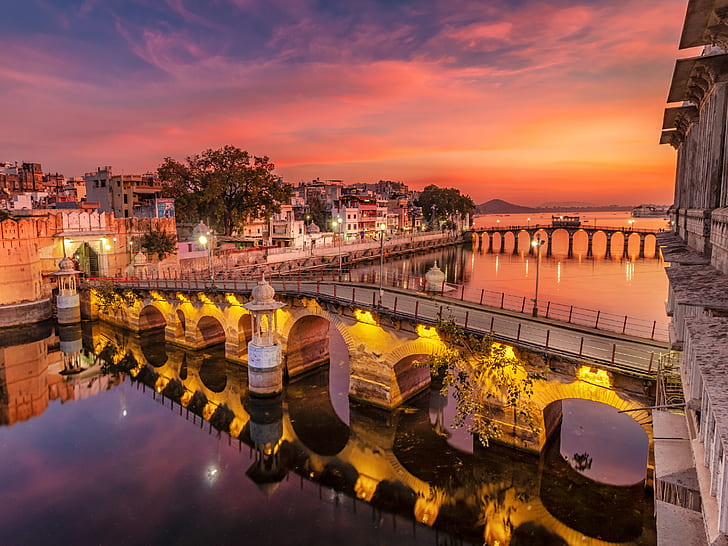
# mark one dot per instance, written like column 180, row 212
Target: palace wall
column 31, row 247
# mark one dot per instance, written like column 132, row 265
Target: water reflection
column 622, row 286
column 401, row 477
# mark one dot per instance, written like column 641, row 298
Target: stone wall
column 30, row 250
column 719, row 240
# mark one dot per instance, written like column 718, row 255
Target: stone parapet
column 719, row 239
column 697, row 230
column 675, row 251
column 705, row 382
column 695, row 291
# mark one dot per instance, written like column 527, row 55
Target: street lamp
column 382, row 228
column 205, row 242
column 537, row 243
column 335, row 223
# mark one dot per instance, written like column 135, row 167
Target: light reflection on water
column 634, row 287
column 127, row 457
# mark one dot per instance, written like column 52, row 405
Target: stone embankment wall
column 31, row 248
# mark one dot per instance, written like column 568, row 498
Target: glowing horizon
column 523, row 101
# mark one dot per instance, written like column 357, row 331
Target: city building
column 286, row 230
column 127, row 195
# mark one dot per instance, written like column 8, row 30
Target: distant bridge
column 485, row 236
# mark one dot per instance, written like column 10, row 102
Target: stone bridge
column 383, row 348
column 488, row 238
column 361, row 457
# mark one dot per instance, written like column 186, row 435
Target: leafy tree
column 158, row 242
column 225, row 186
column 440, row 206
column 111, row 298
column 317, row 211
column 486, row 379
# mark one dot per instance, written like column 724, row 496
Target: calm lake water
column 105, row 459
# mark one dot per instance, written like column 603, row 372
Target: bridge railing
column 569, row 314
column 586, row 227
column 619, row 354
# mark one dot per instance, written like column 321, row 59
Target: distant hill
column 566, row 205
column 498, row 206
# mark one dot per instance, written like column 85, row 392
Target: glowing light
column 594, row 376
column 212, row 474
column 208, row 410
column 236, row 427
column 365, row 316
column 365, row 487
column 231, row 299
column 428, row 332
column 507, row 349
column 181, row 297
column 158, row 296
column 161, row 383
column 185, row 398
column 204, row 299
column 629, row 271
column 202, row 240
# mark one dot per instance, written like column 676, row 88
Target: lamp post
column 537, row 243
column 382, row 228
column 336, row 223
column 205, row 242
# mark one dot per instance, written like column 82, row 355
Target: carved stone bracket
column 717, row 33
column 701, row 82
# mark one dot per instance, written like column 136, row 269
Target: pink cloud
column 572, row 93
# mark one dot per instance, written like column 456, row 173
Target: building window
column 126, row 199
column 103, row 183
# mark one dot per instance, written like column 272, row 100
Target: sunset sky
column 527, row 101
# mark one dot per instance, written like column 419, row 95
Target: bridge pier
column 589, row 247
column 570, row 252
column 548, row 243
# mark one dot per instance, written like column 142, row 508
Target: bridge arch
column 213, row 374
column 289, row 317
column 151, row 317
column 154, row 348
column 308, row 344
column 311, row 411
column 210, row 330
column 549, row 392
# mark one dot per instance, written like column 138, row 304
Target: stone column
column 265, row 372
column 589, row 250
column 68, row 303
